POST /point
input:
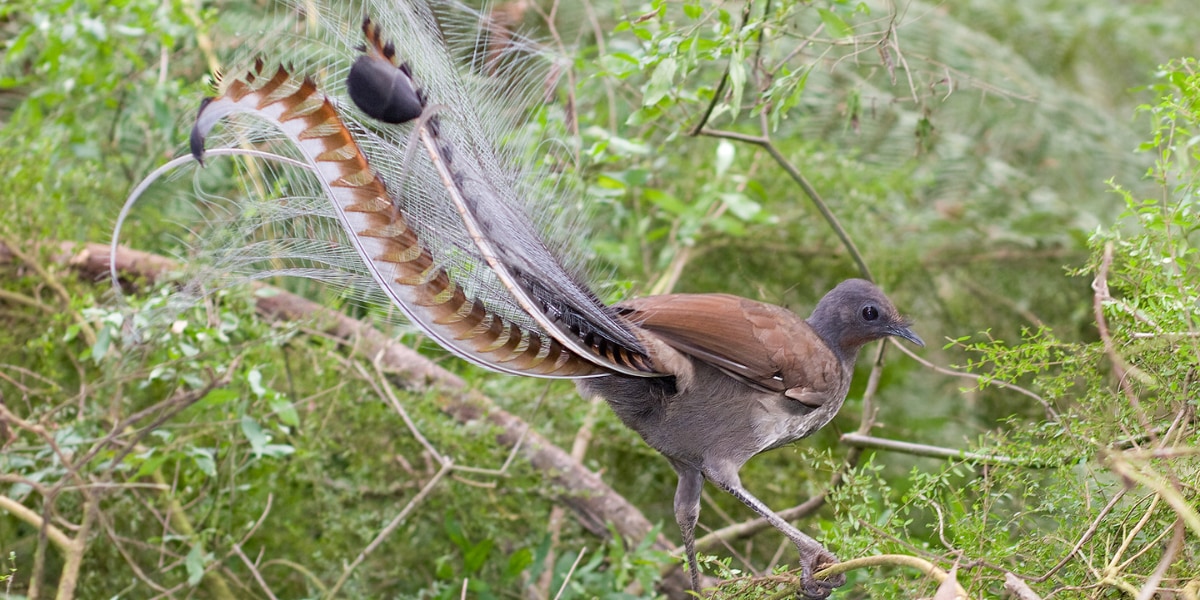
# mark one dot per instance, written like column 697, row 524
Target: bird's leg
column 813, row 556
column 687, row 513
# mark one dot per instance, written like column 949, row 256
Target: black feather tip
column 196, row 141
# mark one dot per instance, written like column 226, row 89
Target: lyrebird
column 404, row 149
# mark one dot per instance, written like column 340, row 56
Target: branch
column 1182, row 506
column 1121, row 369
column 858, row 440
column 809, row 190
column 69, row 578
column 1050, row 412
column 883, row 560
column 889, row 560
column 594, row 503
column 20, row 511
column 396, row 521
column 1018, row 588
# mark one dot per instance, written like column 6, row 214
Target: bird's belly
column 780, row 421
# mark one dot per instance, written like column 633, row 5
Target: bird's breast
column 781, row 420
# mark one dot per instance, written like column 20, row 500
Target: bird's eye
column 870, row 313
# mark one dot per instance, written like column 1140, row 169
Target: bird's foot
column 811, row 561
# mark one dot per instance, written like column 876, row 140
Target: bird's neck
column 831, row 332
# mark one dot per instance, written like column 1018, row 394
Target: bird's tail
column 396, row 166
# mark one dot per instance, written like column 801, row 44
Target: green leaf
column 254, row 433
column 150, row 463
column 443, row 570
column 103, row 340
column 195, row 562
column 741, row 205
column 254, row 378
column 219, row 396
column 477, row 555
column 661, row 82
column 665, row 201
column 517, row 563
column 203, row 457
column 17, row 46
column 607, row 182
column 837, row 27
column 455, row 533
column 737, row 80
column 285, row 410
column 278, row 450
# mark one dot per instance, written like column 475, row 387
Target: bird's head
column 855, row 313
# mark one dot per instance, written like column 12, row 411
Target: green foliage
column 1106, row 469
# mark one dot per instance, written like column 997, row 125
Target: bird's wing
column 766, row 346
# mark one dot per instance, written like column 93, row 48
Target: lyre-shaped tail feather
column 401, row 265
column 420, row 190
column 383, row 87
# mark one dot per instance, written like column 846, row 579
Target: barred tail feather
column 408, row 193
column 394, row 256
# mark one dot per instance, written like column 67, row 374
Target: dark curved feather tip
column 196, row 140
column 383, row 91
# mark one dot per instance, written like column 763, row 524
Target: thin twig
column 1131, row 534
column 720, row 91
column 1087, row 535
column 1182, row 506
column 1121, row 369
column 808, row 189
column 299, row 568
column 85, row 328
column 237, row 549
column 391, row 527
column 1050, row 412
column 567, row 578
column 386, row 392
column 129, row 559
column 915, row 449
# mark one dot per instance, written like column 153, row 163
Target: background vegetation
column 1021, row 177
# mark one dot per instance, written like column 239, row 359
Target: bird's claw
column 812, row 588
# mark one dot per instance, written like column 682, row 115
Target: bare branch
column 1018, row 588
column 60, row 540
column 866, row 441
column 391, row 527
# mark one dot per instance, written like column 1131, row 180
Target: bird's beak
column 906, row 333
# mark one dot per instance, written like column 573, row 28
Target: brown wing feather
column 767, row 346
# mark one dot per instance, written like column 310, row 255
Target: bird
column 744, row 377
column 404, row 155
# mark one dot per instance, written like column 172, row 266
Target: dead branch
column 594, row 503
